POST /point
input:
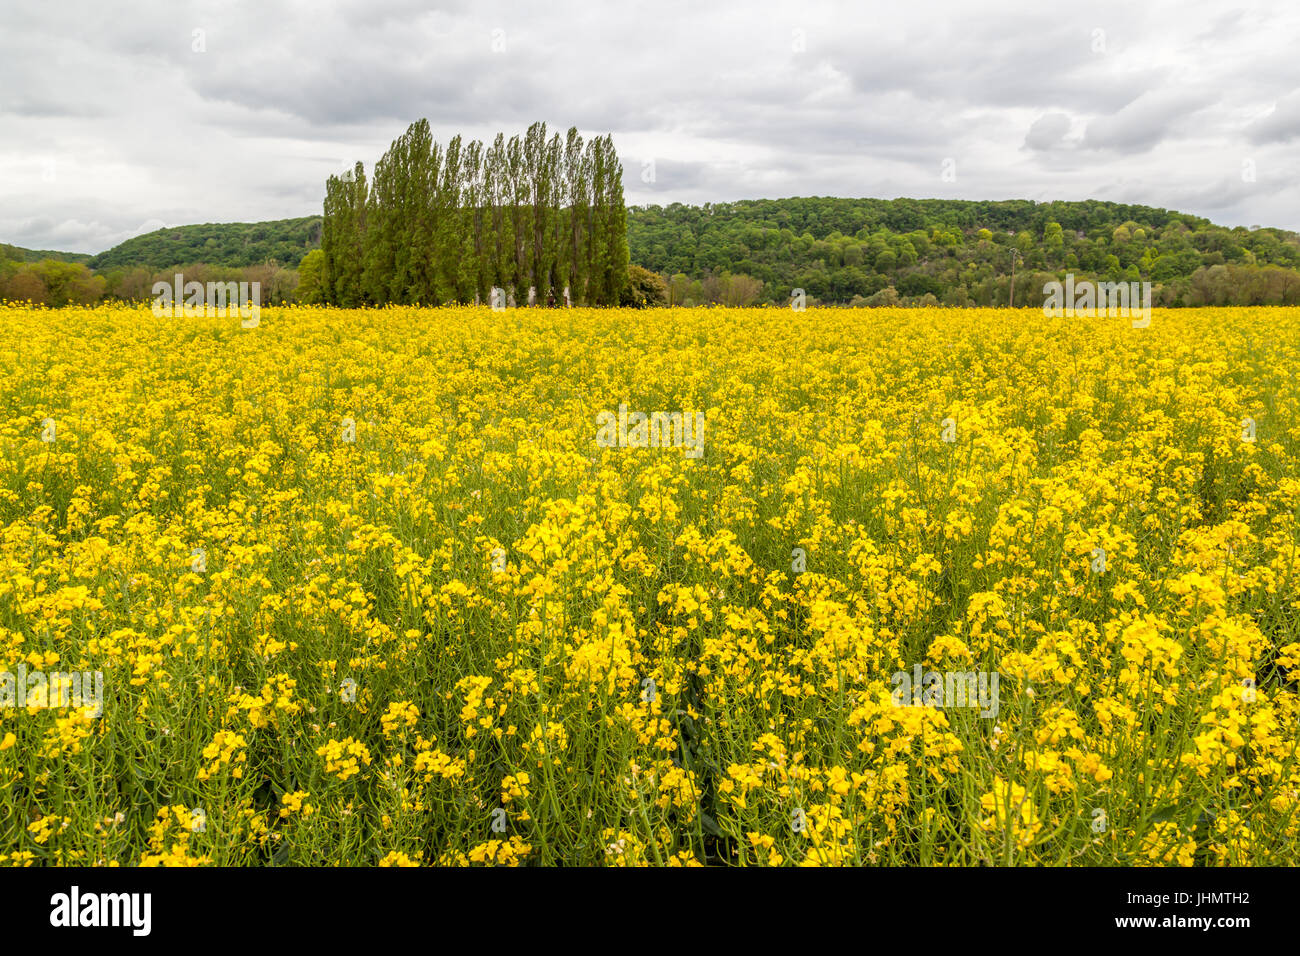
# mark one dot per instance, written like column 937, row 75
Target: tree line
column 438, row 223
column 839, row 251
column 56, row 283
column 225, row 244
column 952, row 252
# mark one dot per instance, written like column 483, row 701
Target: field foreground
column 365, row 588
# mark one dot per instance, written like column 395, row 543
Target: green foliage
column 236, row 244
column 52, row 282
column 644, row 288
column 445, row 224
column 18, row 254
column 341, row 233
column 442, row 224
column 958, row 252
column 311, row 273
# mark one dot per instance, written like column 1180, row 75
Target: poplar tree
column 517, row 199
column 447, row 224
column 554, row 253
column 501, row 241
column 448, row 244
column 538, row 190
column 597, row 225
column 422, row 157
column 331, row 240
column 341, row 237
column 381, row 237
column 472, row 248
column 616, row 251
column 577, row 172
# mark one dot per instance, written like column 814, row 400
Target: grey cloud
column 1048, row 132
column 1143, row 123
column 1279, row 125
column 147, row 130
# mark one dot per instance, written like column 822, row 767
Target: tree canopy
column 877, row 251
column 533, row 216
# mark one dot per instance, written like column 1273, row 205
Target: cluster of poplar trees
column 440, row 224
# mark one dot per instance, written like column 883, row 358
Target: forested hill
column 846, row 251
column 822, row 215
column 230, row 244
column 19, row 254
column 959, row 252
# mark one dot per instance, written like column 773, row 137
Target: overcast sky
column 119, row 118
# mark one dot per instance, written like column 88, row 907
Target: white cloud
column 1157, row 103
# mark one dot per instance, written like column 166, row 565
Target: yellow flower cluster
column 957, row 587
column 344, row 758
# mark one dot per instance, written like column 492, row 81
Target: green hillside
column 959, row 252
column 230, row 244
column 846, row 251
column 19, row 254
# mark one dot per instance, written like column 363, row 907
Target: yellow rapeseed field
column 397, row 587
